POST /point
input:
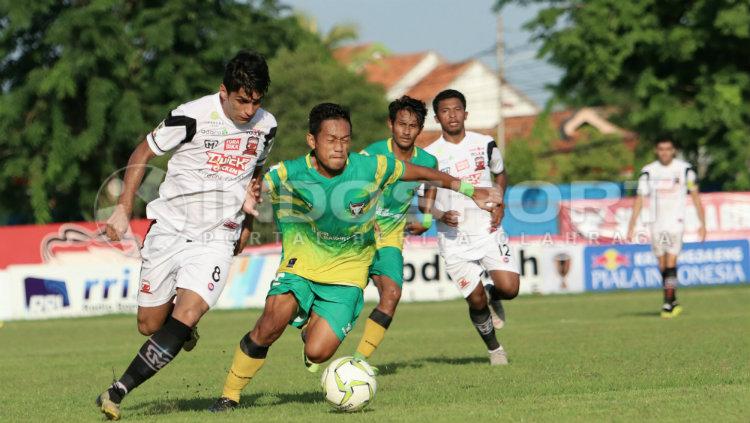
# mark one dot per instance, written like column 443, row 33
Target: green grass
column 593, row 357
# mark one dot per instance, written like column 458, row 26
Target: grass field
column 593, row 357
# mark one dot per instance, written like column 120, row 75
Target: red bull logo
column 611, row 260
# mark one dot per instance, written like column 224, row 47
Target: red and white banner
column 65, row 242
column 727, row 217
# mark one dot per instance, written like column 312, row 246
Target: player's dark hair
column 413, row 105
column 666, row 139
column 247, row 70
column 326, row 111
column 446, row 94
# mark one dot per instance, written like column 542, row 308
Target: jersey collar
column 389, row 143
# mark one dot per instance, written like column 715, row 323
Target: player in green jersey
column 324, row 205
column 406, row 117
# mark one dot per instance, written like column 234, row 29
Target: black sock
column 161, row 348
column 669, row 280
column 483, row 322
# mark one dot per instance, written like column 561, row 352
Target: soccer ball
column 349, row 384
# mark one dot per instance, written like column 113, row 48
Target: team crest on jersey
column 232, row 144
column 233, row 165
column 479, row 162
column 252, row 146
column 356, row 208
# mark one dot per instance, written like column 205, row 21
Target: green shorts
column 389, row 262
column 339, row 305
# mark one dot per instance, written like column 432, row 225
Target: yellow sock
column 242, row 371
column 373, row 336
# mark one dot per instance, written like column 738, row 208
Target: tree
column 673, row 68
column 596, row 157
column 83, row 81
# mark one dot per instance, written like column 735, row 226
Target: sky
column 457, row 30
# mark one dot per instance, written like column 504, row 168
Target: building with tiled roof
column 423, row 75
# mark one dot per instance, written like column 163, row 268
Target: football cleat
column 193, row 341
column 669, row 311
column 498, row 357
column 109, row 408
column 359, row 357
column 223, row 404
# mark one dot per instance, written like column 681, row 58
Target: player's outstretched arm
column 486, row 198
column 634, row 217
column 118, row 223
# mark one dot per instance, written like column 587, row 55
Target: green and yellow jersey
column 326, row 224
column 394, row 204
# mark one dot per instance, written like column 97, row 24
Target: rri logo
column 44, row 295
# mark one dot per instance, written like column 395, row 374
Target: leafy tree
column 83, row 81
column 673, row 68
column 596, row 157
column 522, row 155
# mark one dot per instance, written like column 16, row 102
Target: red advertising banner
column 36, row 244
column 727, row 217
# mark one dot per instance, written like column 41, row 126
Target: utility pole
column 500, row 53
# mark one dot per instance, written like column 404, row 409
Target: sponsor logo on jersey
column 232, row 144
column 211, row 286
column 474, row 178
column 210, row 144
column 222, row 131
column 479, row 162
column 446, row 170
column 356, row 208
column 252, row 146
column 291, row 262
column 145, row 287
column 233, row 165
column 462, row 165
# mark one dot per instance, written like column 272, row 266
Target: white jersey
column 213, row 162
column 475, row 159
column 666, row 188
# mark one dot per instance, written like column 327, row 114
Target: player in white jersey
column 470, row 239
column 666, row 183
column 219, row 144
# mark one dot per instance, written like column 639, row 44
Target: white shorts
column 666, row 242
column 171, row 262
column 467, row 274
